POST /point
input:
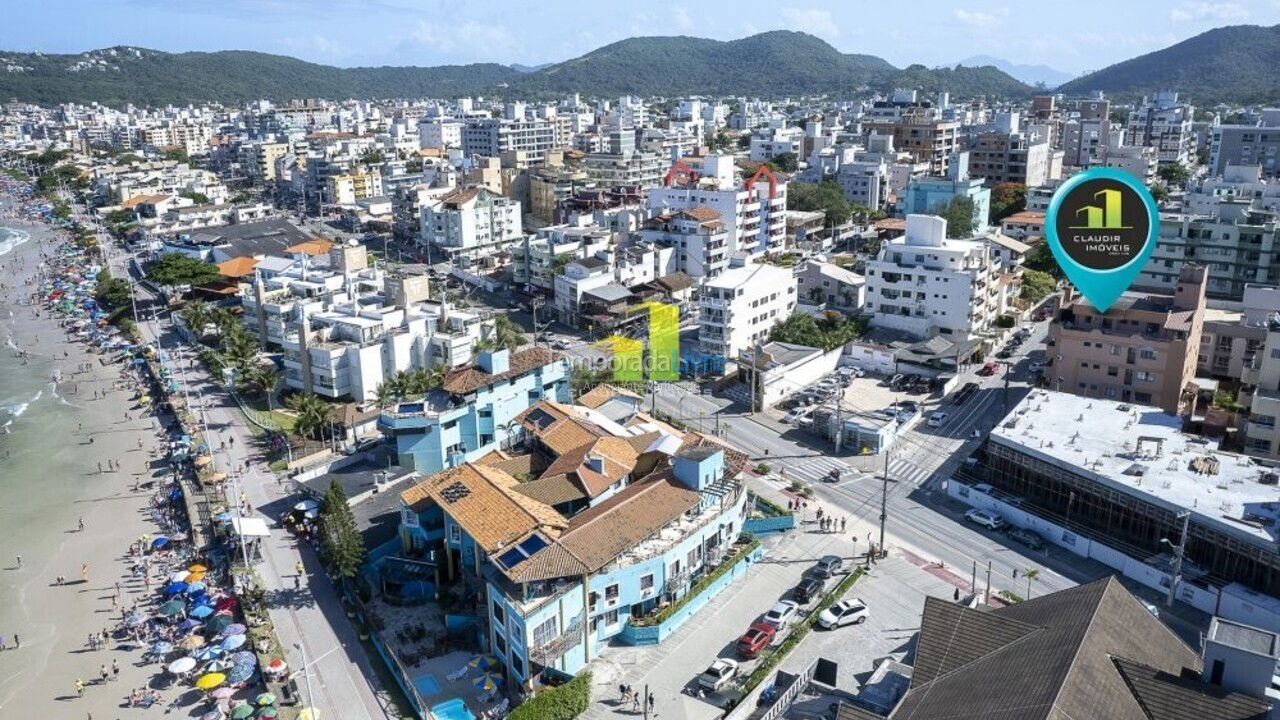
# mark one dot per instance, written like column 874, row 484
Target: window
column 455, row 533
column 500, row 646
column 499, row 615
column 646, row 584
column 611, row 594
column 514, row 632
column 1144, row 376
column 1147, row 353
column 611, row 619
column 517, row 664
column 544, row 632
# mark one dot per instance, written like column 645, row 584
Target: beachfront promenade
column 309, row 620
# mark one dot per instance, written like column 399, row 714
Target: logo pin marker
column 1102, row 226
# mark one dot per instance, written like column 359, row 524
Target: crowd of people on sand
column 167, row 603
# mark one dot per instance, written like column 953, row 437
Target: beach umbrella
column 218, row 665
column 202, row 461
column 189, row 623
column 217, row 622
column 241, row 711
column 196, row 588
column 202, row 611
column 160, row 543
column 233, row 629
column 180, row 576
column 162, row 648
column 239, row 674
column 265, row 699
column 174, row 588
column 214, row 714
column 484, row 662
column 208, row 653
column 135, row 619
column 171, row 608
column 244, row 657
column 197, row 568
column 227, row 602
column 191, row 642
column 309, row 713
column 182, row 665
column 210, row 681
column 195, row 577
column 178, row 536
column 222, row 693
column 233, row 641
column 277, row 666
column 487, row 681
column 307, row 506
column 268, row 711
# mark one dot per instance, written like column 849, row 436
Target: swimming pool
column 453, row 709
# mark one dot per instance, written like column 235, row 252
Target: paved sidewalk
column 311, row 617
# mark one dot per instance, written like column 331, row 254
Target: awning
column 250, row 527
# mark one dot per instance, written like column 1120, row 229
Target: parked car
column 936, row 419
column 757, row 637
column 985, row 518
column 809, row 587
column 1005, row 354
column 827, row 566
column 781, row 614
column 363, row 445
column 796, row 414
column 719, row 674
column 1030, row 538
column 560, row 345
column 989, row 369
column 845, row 612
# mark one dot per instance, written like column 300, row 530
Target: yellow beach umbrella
column 197, row 568
column 309, row 714
column 195, row 577
column 203, row 460
column 210, row 681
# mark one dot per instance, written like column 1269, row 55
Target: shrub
column 1006, row 321
column 559, row 703
column 696, row 589
column 763, row 468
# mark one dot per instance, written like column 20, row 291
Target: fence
column 654, row 634
column 795, row 684
column 766, row 525
column 398, row 671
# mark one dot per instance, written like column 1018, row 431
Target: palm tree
column 385, row 393
column 239, row 349
column 266, row 376
column 196, row 315
column 506, row 334
column 311, row 413
column 1031, row 574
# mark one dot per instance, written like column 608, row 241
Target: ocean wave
column 18, row 408
column 10, row 239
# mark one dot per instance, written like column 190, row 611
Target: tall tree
column 340, row 540
column 958, row 213
column 311, row 414
column 175, row 268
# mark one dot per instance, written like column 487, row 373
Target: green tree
column 311, row 414
column 113, row 292
column 1041, row 258
column 373, row 156
column 1174, row 174
column 825, row 197
column 1036, row 285
column 958, row 212
column 830, row 331
column 196, row 315
column 506, row 334
column 264, row 376
column 178, row 154
column 195, row 197
column 119, row 218
column 175, row 268
column 785, row 162
column 1158, row 192
column 239, row 349
column 340, row 541
column 1007, row 198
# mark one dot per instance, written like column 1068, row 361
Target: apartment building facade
column 1256, row 144
column 752, row 209
column 1238, row 245
column 739, row 307
column 471, row 222
column 1163, row 123
column 1144, row 349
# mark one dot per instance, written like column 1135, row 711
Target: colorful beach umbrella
column 218, row 665
column 277, row 666
column 208, row 653
column 239, row 674
column 244, row 657
column 210, row 681
column 217, row 622
column 265, row 699
column 159, row 543
column 267, row 711
column 484, row 662
column 196, row 588
column 195, row 577
column 214, row 714
column 135, row 619
column 189, row 623
column 180, row 576
column 487, row 681
column 233, row 641
column 222, row 693
column 309, row 713
column 162, row 648
column 197, row 568
column 182, row 665
column 233, row 629
column 191, row 642
column 242, row 711
column 171, row 608
column 174, row 588
column 201, row 612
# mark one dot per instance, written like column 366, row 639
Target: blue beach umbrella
column 233, row 642
column 174, row 588
column 202, row 611
column 196, row 588
column 239, row 674
column 159, row 543
column 162, row 648
column 208, row 653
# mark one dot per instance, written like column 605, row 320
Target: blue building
column 474, row 411
column 927, row 195
column 553, row 587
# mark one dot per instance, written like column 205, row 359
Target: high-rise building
column 1163, row 123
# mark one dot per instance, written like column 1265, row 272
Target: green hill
column 772, row 64
column 1234, row 64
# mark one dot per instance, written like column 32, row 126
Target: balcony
column 550, row 651
column 726, row 495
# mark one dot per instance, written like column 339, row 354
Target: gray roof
column 1059, row 656
column 611, row 292
column 268, row 237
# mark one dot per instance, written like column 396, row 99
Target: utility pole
column 1176, row 576
column 973, row 578
column 754, row 379
column 986, row 596
column 884, row 501
column 839, row 420
column 1004, row 398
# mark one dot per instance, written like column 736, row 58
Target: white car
column 797, row 414
column 985, row 518
column 781, row 614
column 845, row 612
column 936, row 419
column 719, row 674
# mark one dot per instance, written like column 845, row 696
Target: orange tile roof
column 237, row 267
column 313, row 247
column 471, row 378
column 484, row 501
column 597, row 396
column 143, row 200
column 568, row 435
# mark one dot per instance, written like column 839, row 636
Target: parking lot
column 867, row 394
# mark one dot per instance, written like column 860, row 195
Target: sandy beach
column 56, row 435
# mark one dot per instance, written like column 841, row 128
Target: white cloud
column 680, row 16
column 811, row 20
column 1209, row 12
column 467, row 40
column 317, row 46
column 974, row 18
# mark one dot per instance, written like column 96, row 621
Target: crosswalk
column 812, row 470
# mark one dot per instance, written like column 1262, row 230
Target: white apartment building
column 491, row 137
column 697, row 236
column 1236, row 183
column 739, row 307
column 923, row 283
column 440, row 133
column 769, row 143
column 1247, row 144
column 471, row 222
column 1139, row 161
column 753, row 209
column 1261, row 394
column 540, row 257
column 1164, row 124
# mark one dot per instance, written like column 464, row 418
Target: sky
column 1074, row 37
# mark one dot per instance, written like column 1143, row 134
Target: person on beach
column 79, row 688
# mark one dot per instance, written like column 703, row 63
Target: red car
column 756, row 638
column 989, row 369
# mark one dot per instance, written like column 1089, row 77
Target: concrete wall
column 778, row 383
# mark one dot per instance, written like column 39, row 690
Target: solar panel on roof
column 511, row 558
column 455, row 492
column 532, row 544
column 541, row 418
column 525, row 550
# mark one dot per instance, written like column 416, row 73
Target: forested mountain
column 772, row 64
column 1236, row 64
